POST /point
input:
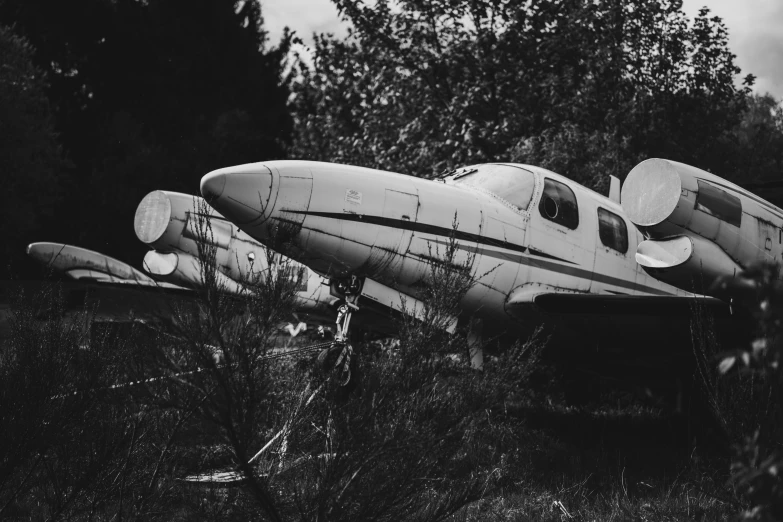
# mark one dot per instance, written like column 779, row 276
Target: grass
column 539, row 458
column 609, row 463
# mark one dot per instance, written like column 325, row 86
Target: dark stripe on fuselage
column 425, row 228
column 563, row 269
column 475, row 238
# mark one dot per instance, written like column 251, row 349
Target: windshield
column 514, row 184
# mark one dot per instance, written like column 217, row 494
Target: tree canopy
column 149, row 95
column 127, row 97
column 585, row 88
column 30, row 155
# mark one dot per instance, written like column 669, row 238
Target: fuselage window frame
column 719, row 203
column 558, row 204
column 517, row 194
column 612, row 231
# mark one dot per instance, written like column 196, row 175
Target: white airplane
column 173, row 225
column 103, row 286
column 697, row 224
column 168, row 222
column 543, row 244
column 83, row 264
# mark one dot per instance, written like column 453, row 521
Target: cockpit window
column 558, row 204
column 513, row 184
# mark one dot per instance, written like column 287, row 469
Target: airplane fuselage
column 546, row 235
column 174, row 224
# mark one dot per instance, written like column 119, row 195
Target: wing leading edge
column 627, row 305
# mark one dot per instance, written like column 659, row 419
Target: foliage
column 156, row 93
column 739, row 402
column 147, row 95
column 418, row 88
column 758, row 454
column 759, row 139
column 216, row 360
column 420, row 437
column 62, row 442
column 30, row 156
column 410, row 441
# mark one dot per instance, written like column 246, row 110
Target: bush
column 754, row 375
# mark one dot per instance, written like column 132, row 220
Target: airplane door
column 560, row 238
column 401, row 209
column 498, row 267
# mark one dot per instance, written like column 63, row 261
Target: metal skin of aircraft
column 698, row 223
column 168, row 221
column 541, row 243
column 103, row 286
column 173, row 224
column 80, row 263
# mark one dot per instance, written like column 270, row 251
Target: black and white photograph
column 391, row 260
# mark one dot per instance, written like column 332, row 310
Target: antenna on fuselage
column 614, row 189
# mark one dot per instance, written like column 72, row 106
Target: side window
column 612, row 230
column 558, row 204
column 719, row 203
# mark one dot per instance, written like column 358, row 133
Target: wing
column 118, row 302
column 108, row 289
column 633, row 331
column 628, row 305
column 115, row 291
column 553, row 301
column 80, row 263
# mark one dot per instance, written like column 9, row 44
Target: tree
column 418, row 88
column 152, row 95
column 30, row 155
column 755, row 468
column 414, row 435
column 67, row 446
column 759, row 140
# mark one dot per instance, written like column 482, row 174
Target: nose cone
column 244, row 194
column 212, row 185
column 259, row 197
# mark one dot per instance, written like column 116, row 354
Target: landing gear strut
column 340, row 355
column 475, row 344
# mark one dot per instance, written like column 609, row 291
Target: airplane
column 541, row 244
column 105, row 288
column 698, row 223
column 83, row 264
column 174, row 224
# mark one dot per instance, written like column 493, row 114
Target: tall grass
column 419, row 434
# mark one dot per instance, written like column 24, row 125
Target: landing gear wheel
column 337, row 357
column 339, row 360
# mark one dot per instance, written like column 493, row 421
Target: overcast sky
column 755, row 30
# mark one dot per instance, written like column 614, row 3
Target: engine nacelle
column 171, row 222
column 185, row 270
column 685, row 261
column 707, row 226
